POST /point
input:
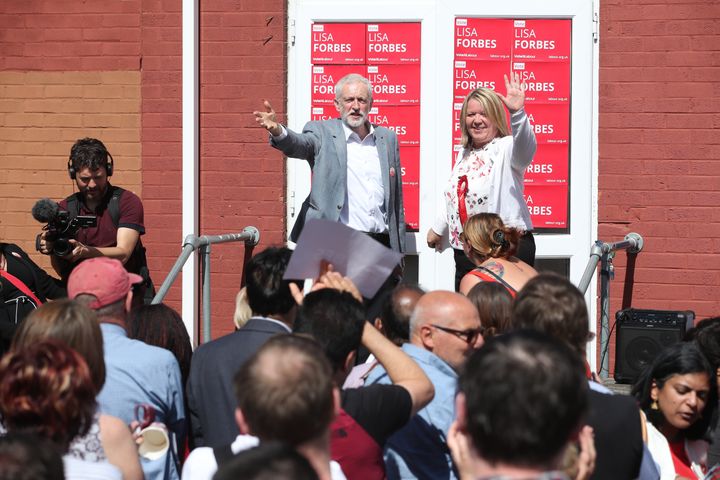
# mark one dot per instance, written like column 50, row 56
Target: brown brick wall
column 93, row 68
column 87, row 50
column 41, row 116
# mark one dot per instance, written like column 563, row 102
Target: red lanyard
column 462, row 190
column 20, row 285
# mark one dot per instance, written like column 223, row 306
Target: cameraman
column 119, row 215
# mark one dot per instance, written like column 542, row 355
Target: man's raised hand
column 268, row 119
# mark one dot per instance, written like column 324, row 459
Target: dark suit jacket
column 618, row 436
column 210, row 392
column 324, row 146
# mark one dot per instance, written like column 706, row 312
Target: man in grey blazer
column 356, row 166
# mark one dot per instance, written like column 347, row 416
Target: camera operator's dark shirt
column 105, row 234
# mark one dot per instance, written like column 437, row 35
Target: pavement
column 617, row 388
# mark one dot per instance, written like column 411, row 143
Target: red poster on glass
column 483, row 39
column 337, row 43
column 324, row 78
column 457, row 109
column 551, row 123
column 410, row 161
column 404, row 121
column 395, row 84
column 546, row 82
column 541, row 40
column 324, row 112
column 471, row 74
column 411, row 203
column 550, row 165
column 393, row 43
column 547, row 205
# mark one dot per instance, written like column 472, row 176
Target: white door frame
column 437, row 17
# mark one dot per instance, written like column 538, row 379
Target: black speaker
column 642, row 334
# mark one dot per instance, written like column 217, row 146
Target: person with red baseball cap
column 137, row 373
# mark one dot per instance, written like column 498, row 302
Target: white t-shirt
column 76, row 469
column 201, row 463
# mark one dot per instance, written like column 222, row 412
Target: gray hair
column 353, row 78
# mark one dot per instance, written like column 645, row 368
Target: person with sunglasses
column 445, row 330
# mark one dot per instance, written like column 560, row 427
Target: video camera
column 60, row 227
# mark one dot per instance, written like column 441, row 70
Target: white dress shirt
column 364, row 208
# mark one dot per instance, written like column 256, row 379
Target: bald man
column 444, row 331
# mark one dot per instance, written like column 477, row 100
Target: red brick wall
column 243, row 179
column 659, row 151
column 161, row 89
column 113, row 70
column 67, row 70
column 110, row 70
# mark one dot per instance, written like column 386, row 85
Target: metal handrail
column 603, row 252
column 249, row 235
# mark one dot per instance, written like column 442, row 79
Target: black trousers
column 525, row 252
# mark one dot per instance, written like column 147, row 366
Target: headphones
column 108, row 166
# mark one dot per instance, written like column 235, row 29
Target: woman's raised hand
column 514, row 98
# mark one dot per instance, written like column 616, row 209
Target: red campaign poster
column 457, row 109
column 483, row 39
column 337, row 43
column 404, row 121
column 395, row 84
column 541, row 40
column 548, row 205
column 551, row 123
column 546, row 82
column 471, row 74
column 324, row 112
column 550, row 165
column 411, row 203
column 393, row 43
column 410, row 161
column 324, row 78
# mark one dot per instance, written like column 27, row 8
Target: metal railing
column 249, row 235
column 603, row 253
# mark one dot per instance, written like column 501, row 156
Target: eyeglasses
column 468, row 336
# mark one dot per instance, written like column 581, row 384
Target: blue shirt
column 418, row 450
column 140, row 373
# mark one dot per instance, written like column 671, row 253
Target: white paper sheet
column 353, row 254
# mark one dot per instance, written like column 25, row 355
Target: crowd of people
column 487, row 382
column 448, row 386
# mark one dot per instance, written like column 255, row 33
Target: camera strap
column 113, row 207
column 20, row 285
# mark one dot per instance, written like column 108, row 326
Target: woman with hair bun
column 490, row 246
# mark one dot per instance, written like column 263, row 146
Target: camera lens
column 62, row 247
